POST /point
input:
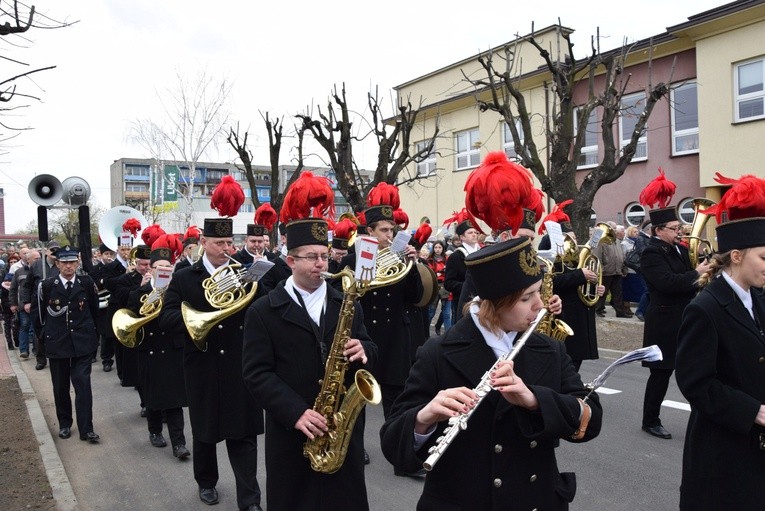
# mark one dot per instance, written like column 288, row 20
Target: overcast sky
column 280, row 57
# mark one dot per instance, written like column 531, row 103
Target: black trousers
column 389, row 395
column 655, row 390
column 612, row 283
column 107, row 348
column 174, row 418
column 76, row 370
column 243, row 456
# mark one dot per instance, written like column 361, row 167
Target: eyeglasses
column 313, row 257
column 675, row 229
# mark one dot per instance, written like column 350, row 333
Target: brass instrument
column 699, row 247
column 225, row 291
column 341, row 406
column 126, row 324
column 588, row 292
column 110, row 225
column 550, row 325
column 131, row 260
column 460, row 422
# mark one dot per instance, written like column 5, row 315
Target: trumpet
column 225, row 291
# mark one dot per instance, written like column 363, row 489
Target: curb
column 63, row 494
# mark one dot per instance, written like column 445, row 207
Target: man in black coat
column 289, row 334
column 68, row 305
column 39, row 271
column 220, row 407
column 108, row 276
column 671, row 283
column 455, row 271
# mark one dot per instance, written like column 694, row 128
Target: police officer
column 68, row 305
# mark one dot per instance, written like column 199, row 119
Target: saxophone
column 550, row 325
column 340, row 406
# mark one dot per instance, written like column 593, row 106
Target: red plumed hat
column 422, row 234
column 344, row 229
column 169, row 242
column 534, row 203
column 193, row 232
column 151, row 233
column 744, row 199
column 132, row 225
column 557, row 215
column 497, row 191
column 384, row 194
column 309, row 196
column 658, row 192
column 266, row 216
column 227, row 197
column 463, row 221
column 401, row 218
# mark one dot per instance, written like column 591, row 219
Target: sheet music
column 555, row 233
column 366, row 257
column 400, row 241
column 257, row 269
column 647, row 354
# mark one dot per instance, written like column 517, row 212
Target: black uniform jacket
column 721, row 371
column 671, row 286
column 505, row 459
column 282, row 369
column 454, row 277
column 219, row 405
column 109, row 276
column 128, row 361
column 583, row 345
column 69, row 326
column 160, row 360
column 389, row 323
column 281, row 271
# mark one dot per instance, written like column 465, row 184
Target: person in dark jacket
column 10, row 325
column 289, row 334
column 39, row 271
column 20, row 299
column 455, row 270
column 720, row 370
column 671, row 282
column 160, row 360
column 68, row 306
column 505, row 459
column 220, row 407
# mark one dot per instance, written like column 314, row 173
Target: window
column 137, row 170
column 264, row 193
column 426, row 167
column 750, row 94
column 631, row 108
column 634, row 214
column 468, row 149
column 215, row 175
column 136, row 188
column 685, row 119
column 507, row 139
column 588, row 156
column 685, row 210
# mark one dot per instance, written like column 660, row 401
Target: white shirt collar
column 745, row 296
column 314, row 302
column 208, row 265
column 470, row 248
column 500, row 344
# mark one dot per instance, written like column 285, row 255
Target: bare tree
column 566, row 130
column 196, row 117
column 64, row 224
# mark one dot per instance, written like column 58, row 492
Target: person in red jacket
column 437, row 262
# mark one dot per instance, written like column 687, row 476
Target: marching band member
column 220, row 407
column 288, row 335
column 341, row 235
column 720, row 362
column 190, row 248
column 505, row 459
column 68, row 304
column 254, row 245
column 161, row 355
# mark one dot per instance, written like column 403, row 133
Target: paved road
column 623, row 469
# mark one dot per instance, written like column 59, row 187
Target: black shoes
column 208, row 495
column 658, row 431
column 143, row 411
column 420, row 473
column 107, row 367
column 181, row 452
column 41, row 365
column 65, row 433
column 157, row 440
column 90, row 437
column 366, row 457
column 11, row 347
column 253, row 507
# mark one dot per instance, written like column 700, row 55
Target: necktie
column 69, row 288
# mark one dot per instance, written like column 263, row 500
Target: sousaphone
column 110, row 226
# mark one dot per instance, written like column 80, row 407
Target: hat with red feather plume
column 342, row 233
column 191, row 236
column 309, row 199
column 132, row 225
column 740, row 213
column 462, row 220
column 659, row 192
column 533, row 209
column 421, row 235
column 498, row 191
column 226, row 199
column 166, row 247
column 382, row 201
column 559, row 216
column 151, row 233
column 265, row 219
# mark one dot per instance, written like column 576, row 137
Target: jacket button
column 498, row 483
column 151, row 353
column 498, row 448
column 388, row 295
column 374, row 321
column 762, row 360
column 387, row 309
column 220, row 326
column 374, row 293
column 222, row 352
column 374, row 307
column 162, row 352
column 151, row 333
column 533, row 478
column 533, row 444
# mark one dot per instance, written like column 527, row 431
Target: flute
column 459, row 423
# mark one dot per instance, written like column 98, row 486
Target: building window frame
column 635, row 213
column 754, row 96
column 685, row 140
column 588, row 155
column 685, row 210
column 628, row 110
column 467, row 149
column 426, row 167
column 507, row 139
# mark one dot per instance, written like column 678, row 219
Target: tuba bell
column 126, row 324
column 225, row 291
column 588, row 291
column 699, row 247
column 110, row 225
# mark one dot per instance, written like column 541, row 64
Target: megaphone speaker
column 45, row 190
column 76, row 191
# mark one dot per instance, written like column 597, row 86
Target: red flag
column 366, row 255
